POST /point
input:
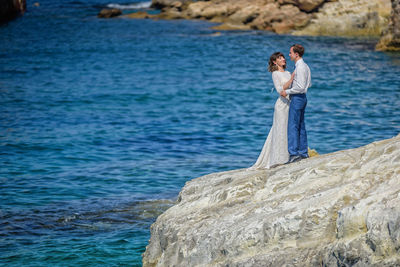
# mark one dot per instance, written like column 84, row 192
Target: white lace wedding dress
column 275, row 149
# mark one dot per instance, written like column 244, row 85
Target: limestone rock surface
column 306, row 5
column 338, row 209
column 166, row 3
column 390, row 40
column 349, row 18
column 109, row 13
column 301, row 17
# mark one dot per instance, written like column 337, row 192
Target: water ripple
column 100, row 117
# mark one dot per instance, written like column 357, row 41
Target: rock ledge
column 338, row 209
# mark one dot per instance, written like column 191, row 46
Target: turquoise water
column 103, row 121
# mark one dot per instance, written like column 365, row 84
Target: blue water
column 103, row 121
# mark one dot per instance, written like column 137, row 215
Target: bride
column 275, row 149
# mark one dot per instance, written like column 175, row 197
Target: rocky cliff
column 301, row 17
column 10, row 9
column 338, row 209
column 390, row 40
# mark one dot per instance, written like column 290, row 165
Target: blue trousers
column 297, row 135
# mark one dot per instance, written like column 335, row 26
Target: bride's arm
column 277, row 82
column 288, row 83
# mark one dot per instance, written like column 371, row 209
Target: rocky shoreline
column 338, row 209
column 352, row 18
column 390, row 40
column 300, row 17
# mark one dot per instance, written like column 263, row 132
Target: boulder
column 245, row 15
column 337, row 209
column 177, row 4
column 109, row 13
column 280, row 19
column 304, row 5
column 211, row 11
column 309, row 5
column 349, row 18
column 195, row 10
column 159, row 4
column 10, row 9
column 390, row 40
column 298, row 17
column 266, row 15
column 289, row 18
column 220, row 9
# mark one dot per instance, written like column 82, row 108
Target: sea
column 102, row 121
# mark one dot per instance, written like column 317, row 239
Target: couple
column 287, row 139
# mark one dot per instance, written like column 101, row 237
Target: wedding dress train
column 275, row 149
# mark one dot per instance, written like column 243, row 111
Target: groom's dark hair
column 299, row 49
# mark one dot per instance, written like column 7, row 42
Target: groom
column 297, row 135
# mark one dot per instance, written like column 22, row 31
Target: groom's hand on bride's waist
column 283, row 93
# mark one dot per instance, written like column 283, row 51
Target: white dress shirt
column 301, row 80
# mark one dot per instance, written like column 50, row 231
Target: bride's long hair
column 271, row 65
